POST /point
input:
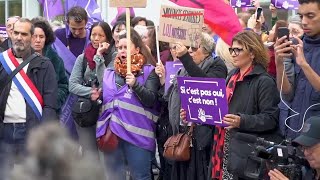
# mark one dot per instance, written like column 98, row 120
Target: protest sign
column 171, row 71
column 3, row 32
column 241, row 3
column 285, row 4
column 204, row 99
column 180, row 24
column 128, row 3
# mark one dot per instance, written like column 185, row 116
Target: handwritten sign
column 128, row 3
column 204, row 99
column 285, row 4
column 180, row 24
column 241, row 3
column 171, row 71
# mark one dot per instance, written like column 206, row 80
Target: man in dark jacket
column 309, row 140
column 299, row 85
column 28, row 99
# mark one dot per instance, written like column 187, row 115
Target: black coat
column 40, row 71
column 255, row 100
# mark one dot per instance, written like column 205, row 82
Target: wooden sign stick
column 128, row 26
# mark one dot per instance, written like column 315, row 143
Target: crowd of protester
column 272, row 90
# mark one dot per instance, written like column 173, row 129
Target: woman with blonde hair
column 252, row 98
column 222, row 50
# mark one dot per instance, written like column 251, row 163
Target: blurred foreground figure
column 54, row 156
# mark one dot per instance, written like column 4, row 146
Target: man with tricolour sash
column 28, row 93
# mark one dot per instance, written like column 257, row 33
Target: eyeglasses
column 309, row 148
column 193, row 49
column 236, row 51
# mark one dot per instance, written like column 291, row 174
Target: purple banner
column 66, row 118
column 3, row 32
column 241, row 3
column 67, row 56
column 171, row 71
column 285, row 4
column 204, row 99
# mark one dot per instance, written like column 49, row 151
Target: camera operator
column 309, row 141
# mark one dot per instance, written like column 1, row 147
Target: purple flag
column 285, row 4
column 171, row 71
column 91, row 6
column 51, row 8
column 204, row 99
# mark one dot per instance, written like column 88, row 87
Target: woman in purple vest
column 130, row 112
column 197, row 62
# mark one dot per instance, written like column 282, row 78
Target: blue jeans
column 12, row 146
column 128, row 157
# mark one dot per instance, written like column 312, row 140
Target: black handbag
column 85, row 112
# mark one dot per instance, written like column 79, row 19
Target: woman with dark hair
column 130, row 110
column 116, row 29
column 253, row 101
column 139, row 21
column 86, row 76
column 42, row 39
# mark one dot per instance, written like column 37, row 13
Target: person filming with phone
column 298, row 69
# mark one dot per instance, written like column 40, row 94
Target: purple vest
column 124, row 113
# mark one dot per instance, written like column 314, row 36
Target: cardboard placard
column 204, row 99
column 128, row 3
column 180, row 24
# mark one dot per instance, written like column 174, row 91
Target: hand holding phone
column 258, row 13
column 283, row 31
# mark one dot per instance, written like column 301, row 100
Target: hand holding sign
column 180, row 49
column 161, row 72
column 233, row 121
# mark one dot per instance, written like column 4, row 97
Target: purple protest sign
column 204, row 99
column 3, row 32
column 285, row 4
column 171, row 71
column 241, row 3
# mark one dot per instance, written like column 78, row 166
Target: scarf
column 137, row 61
column 89, row 53
column 174, row 102
column 220, row 132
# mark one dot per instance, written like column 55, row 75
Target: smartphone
column 283, row 31
column 259, row 11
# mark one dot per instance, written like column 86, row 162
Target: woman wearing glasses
column 197, row 62
column 253, row 98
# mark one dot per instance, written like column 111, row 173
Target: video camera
column 268, row 155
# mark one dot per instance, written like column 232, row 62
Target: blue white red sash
column 23, row 82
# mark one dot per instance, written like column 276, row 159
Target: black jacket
column 43, row 76
column 255, row 100
column 6, row 44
